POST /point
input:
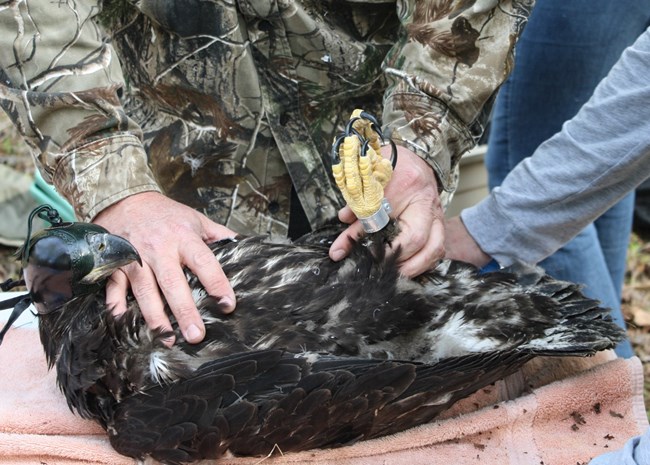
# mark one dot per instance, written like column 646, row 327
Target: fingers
column 347, row 216
column 421, row 239
column 422, row 235
column 212, row 232
column 167, row 267
column 416, row 260
column 116, row 290
column 207, row 268
column 168, row 236
column 413, row 195
column 144, row 286
column 145, row 290
column 204, row 264
column 173, row 284
column 342, row 245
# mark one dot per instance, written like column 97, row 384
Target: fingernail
column 193, row 333
column 226, row 304
column 337, row 255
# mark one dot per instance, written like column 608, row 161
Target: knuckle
column 435, row 254
column 415, row 177
column 417, row 238
column 157, row 319
column 148, row 243
column 407, row 269
column 169, row 279
column 143, row 289
column 186, row 313
column 217, row 284
column 186, row 226
column 204, row 258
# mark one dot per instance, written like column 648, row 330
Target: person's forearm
column 598, row 157
column 60, row 84
column 443, row 74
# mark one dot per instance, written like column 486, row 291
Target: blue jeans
column 565, row 50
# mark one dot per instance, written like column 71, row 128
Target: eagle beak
column 109, row 252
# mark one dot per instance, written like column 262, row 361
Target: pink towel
column 551, row 421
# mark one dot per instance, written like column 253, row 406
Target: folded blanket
column 554, row 418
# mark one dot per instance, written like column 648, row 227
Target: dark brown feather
column 317, row 354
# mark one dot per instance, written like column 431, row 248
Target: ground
column 636, row 293
column 636, row 305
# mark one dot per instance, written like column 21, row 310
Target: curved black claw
column 374, row 124
column 393, row 153
column 336, row 145
column 349, row 130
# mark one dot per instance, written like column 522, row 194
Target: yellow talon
column 362, row 177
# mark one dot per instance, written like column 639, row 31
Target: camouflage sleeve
column 444, row 72
column 59, row 83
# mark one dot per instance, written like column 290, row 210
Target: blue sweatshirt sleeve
column 599, row 156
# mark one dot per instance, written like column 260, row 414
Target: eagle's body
column 316, row 354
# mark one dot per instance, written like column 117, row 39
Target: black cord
column 46, row 213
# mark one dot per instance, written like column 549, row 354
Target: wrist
column 123, row 205
column 460, row 245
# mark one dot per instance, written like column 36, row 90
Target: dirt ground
column 636, row 294
column 636, row 305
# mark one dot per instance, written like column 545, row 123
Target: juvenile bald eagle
column 317, row 353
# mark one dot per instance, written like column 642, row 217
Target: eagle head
column 64, row 262
column 71, row 260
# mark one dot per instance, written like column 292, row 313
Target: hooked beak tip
column 120, row 252
column 117, row 252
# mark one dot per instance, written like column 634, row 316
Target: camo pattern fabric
column 224, row 104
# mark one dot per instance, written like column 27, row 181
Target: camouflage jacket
column 223, row 105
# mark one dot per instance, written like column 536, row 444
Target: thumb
column 346, row 215
column 214, row 231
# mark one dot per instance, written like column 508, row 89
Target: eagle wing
column 252, row 403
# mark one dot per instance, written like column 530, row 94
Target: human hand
column 167, row 235
column 413, row 195
column 460, row 245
